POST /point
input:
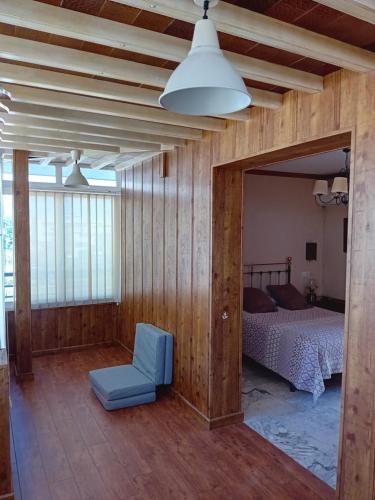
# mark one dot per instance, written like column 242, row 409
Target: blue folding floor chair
column 131, row 385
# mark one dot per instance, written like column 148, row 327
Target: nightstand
column 337, row 305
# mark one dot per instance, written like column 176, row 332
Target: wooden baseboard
column 120, row 344
column 20, row 377
column 211, row 423
column 73, row 348
column 231, row 419
column 7, row 496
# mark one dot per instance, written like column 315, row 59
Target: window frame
column 58, row 186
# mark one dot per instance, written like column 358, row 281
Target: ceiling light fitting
column 205, row 83
column 339, row 194
column 76, row 178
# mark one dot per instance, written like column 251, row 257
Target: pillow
column 257, row 301
column 288, row 297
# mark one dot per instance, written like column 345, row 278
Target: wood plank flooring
column 66, row 447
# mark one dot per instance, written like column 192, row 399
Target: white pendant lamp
column 76, row 178
column 205, row 83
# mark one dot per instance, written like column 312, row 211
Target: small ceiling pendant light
column 76, row 178
column 205, row 83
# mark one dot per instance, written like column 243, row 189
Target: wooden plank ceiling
column 101, row 73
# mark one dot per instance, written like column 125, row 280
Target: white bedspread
column 305, row 347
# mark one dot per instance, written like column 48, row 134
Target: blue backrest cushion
column 149, row 352
column 153, row 353
column 168, row 368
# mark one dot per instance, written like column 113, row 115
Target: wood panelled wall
column 171, row 277
column 22, row 295
column 59, row 328
column 166, row 260
column 6, row 488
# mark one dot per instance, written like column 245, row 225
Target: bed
column 304, row 346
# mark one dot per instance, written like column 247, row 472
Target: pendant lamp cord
column 205, row 8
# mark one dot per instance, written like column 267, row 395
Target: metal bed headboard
column 268, row 273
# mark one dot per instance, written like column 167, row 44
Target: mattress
column 305, row 347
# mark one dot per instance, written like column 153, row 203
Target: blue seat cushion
column 117, row 404
column 119, row 382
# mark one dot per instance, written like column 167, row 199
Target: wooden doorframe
column 226, row 299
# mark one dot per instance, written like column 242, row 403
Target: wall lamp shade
column 205, row 83
column 340, row 185
column 76, row 179
column 320, row 188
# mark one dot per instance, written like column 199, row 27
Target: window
column 8, row 247
column 74, row 247
column 107, row 178
column 39, row 173
column 74, row 236
column 7, row 171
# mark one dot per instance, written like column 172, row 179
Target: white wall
column 280, row 216
column 334, row 263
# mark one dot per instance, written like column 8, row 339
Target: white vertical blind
column 74, row 247
column 3, row 343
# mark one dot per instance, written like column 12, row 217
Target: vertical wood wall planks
column 158, row 230
column 22, row 302
column 147, row 240
column 6, row 489
column 58, row 328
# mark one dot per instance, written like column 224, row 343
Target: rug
column 307, row 432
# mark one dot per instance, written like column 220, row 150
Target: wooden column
column 22, row 302
column 6, row 489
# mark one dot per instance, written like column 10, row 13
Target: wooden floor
column 67, row 447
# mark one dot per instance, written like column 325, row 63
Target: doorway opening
column 294, row 276
column 277, row 403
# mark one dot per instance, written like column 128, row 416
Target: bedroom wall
column 334, row 263
column 280, row 216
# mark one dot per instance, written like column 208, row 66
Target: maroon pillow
column 257, row 301
column 288, row 297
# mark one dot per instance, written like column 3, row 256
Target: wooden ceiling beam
column 56, row 126
column 362, row 9
column 244, row 23
column 52, row 80
column 73, row 136
column 33, row 148
column 123, row 165
column 96, row 119
column 52, row 19
column 104, row 161
column 37, row 141
column 45, row 54
column 29, row 51
column 65, row 100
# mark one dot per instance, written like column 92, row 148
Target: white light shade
column 320, row 188
column 205, row 83
column 340, row 185
column 76, row 179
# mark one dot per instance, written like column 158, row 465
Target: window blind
column 74, row 248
